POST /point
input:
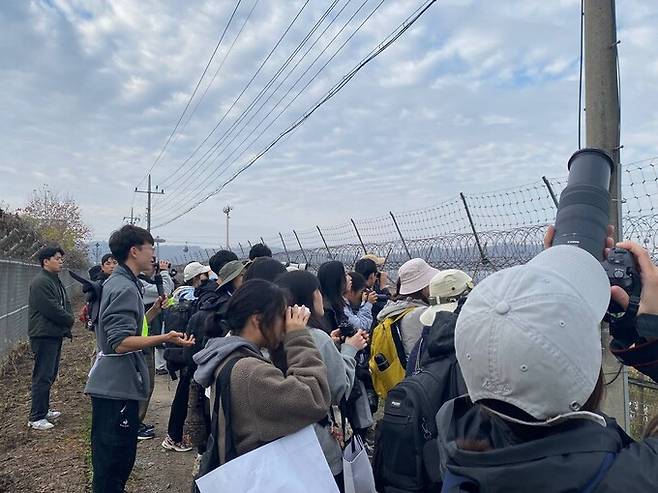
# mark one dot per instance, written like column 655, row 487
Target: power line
column 247, row 86
column 394, row 36
column 168, row 179
column 186, row 184
column 196, row 88
column 219, row 169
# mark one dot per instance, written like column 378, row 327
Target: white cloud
column 479, row 95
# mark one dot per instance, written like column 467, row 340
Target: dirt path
column 156, row 469
column 58, row 460
column 46, row 461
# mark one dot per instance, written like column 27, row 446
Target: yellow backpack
column 386, row 346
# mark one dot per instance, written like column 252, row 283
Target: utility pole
column 227, row 210
column 149, row 192
column 602, row 120
column 132, row 217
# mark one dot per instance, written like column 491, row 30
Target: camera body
column 346, row 329
column 621, row 269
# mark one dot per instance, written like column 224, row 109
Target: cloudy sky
column 477, row 96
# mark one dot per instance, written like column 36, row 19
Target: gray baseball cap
column 530, row 336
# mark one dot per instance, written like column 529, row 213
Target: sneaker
column 52, row 414
column 161, row 371
column 169, row 444
column 145, row 433
column 145, row 426
column 42, row 425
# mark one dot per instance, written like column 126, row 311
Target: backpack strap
column 397, row 338
column 605, row 466
column 224, row 387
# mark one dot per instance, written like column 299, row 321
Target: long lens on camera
column 582, row 216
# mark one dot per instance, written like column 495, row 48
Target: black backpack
column 176, row 318
column 406, row 450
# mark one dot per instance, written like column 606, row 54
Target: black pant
column 47, row 352
column 178, row 413
column 114, row 426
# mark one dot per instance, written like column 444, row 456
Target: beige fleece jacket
column 267, row 404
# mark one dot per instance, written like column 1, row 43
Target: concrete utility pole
column 227, row 210
column 131, row 218
column 149, row 192
column 602, row 120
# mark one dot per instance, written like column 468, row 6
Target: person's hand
column 157, row 307
column 335, row 335
column 179, row 339
column 609, row 241
column 371, row 297
column 164, row 265
column 359, row 340
column 648, row 276
column 296, row 318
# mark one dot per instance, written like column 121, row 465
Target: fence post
column 284, row 247
column 249, row 243
column 301, row 247
column 325, row 243
column 550, row 190
column 262, row 240
column 358, row 235
column 404, row 243
column 475, row 233
column 241, row 249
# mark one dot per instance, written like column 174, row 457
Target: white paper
column 293, row 464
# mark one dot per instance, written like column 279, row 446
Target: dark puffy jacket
column 499, row 457
column 49, row 309
column 210, row 300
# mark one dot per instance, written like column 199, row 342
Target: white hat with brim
column 427, row 317
column 194, row 269
column 415, row 275
column 445, row 288
column 529, row 336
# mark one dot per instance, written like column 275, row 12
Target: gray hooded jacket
column 113, row 375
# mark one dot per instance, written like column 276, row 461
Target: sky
column 474, row 97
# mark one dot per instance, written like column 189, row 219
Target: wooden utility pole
column 602, row 120
column 149, row 192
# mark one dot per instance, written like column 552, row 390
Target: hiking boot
column 52, row 414
column 145, row 433
column 41, row 425
column 182, row 446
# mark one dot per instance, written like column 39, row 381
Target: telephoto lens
column 583, row 212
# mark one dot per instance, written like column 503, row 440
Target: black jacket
column 49, row 309
column 563, row 458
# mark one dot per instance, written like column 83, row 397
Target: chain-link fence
column 478, row 233
column 15, row 280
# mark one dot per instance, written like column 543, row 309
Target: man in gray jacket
column 119, row 378
column 50, row 320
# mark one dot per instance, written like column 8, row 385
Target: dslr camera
column 582, row 220
column 346, row 329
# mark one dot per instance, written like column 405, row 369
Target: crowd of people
column 450, row 385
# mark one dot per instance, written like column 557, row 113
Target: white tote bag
column 293, row 464
column 357, row 469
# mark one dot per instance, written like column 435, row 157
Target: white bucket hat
column 530, row 336
column 445, row 287
column 415, row 274
column 193, row 269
